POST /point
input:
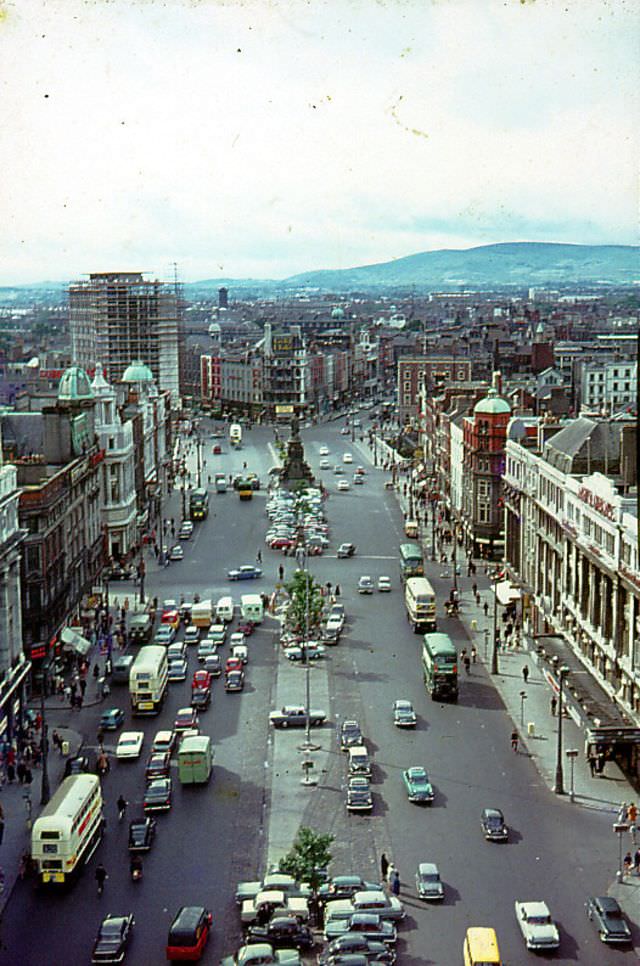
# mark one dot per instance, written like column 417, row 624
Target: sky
column 263, row 138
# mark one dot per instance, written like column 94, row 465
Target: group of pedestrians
column 390, row 874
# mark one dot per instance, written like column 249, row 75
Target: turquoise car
column 419, row 788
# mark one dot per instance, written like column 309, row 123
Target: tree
column 305, row 608
column 308, row 858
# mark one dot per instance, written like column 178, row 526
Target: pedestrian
column 57, row 740
column 525, row 673
column 259, row 557
column 627, row 863
column 622, row 814
column 11, row 773
column 337, row 590
column 514, row 740
column 101, row 737
column 96, row 671
column 600, row 762
column 636, row 862
column 20, row 770
column 463, row 654
column 632, row 814
column 390, row 870
column 384, row 866
column 395, row 882
column 83, row 686
column 477, row 598
column 100, row 877
column 28, row 776
column 485, row 608
column 591, row 761
column 474, row 655
column 1, row 824
column 467, row 663
column 554, row 705
column 474, row 588
column 281, row 573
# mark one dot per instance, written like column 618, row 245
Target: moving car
column 129, row 744
column 536, row 925
column 332, row 630
column 347, row 458
column 112, row 939
column 428, row 883
column 493, row 827
column 418, row 786
column 186, row 718
column 357, row 479
column 359, row 797
column 171, row 616
column 176, row 553
column 176, row 650
column 403, row 714
column 246, row 572
column 213, row 665
column 343, row 485
column 191, row 634
column 206, row 648
column 325, row 464
column 606, row 915
column 233, row 663
column 112, row 719
column 201, row 679
column 189, row 933
column 164, row 635
column 218, row 634
column 200, row 698
column 164, row 741
column 157, row 797
column 241, row 652
column 350, row 734
column 282, row 931
column 346, row 550
column 158, row 765
column 365, row 585
column 142, row 832
column 178, row 669
column 384, row 584
column 295, row 716
column 324, row 451
column 234, row 680
column 186, row 529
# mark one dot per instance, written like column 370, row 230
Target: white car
column 177, row 650
column 347, row 458
column 325, row 465
column 343, row 485
column 365, row 585
column 176, row 553
column 537, row 927
column 324, row 451
column 130, row 744
column 384, row 584
column 237, row 638
column 241, row 651
column 192, row 634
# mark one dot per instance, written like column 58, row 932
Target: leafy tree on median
column 309, row 857
column 305, row 607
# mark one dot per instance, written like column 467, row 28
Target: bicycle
column 122, row 807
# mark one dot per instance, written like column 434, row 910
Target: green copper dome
column 492, row 405
column 74, row 385
column 137, row 372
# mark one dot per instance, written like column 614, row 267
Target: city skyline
column 263, row 141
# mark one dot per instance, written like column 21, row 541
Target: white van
column 359, row 761
column 224, row 610
column 251, row 608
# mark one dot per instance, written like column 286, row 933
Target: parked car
column 113, row 938
column 282, row 931
column 606, row 915
column 364, row 924
column 428, row 883
column 418, row 787
column 311, row 652
column 536, row 925
column 352, row 949
column 112, row 719
column 345, row 886
column 295, row 716
column 493, row 827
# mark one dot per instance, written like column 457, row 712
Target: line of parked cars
column 297, row 515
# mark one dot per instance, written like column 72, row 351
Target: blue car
column 247, row 572
column 112, row 719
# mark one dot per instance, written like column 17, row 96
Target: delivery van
column 252, row 608
column 195, row 760
column 411, row 528
column 359, row 761
column 481, row 947
column 140, row 629
column 224, row 610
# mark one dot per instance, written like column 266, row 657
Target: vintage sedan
column 419, row 788
column 142, row 832
column 234, row 681
column 354, row 950
column 384, row 585
column 246, row 572
column 346, row 550
column 606, row 915
column 112, row 719
column 301, row 652
column 157, row 797
column 129, row 745
column 200, row 698
column 364, row 924
column 350, row 734
column 158, row 765
column 112, row 939
column 201, row 679
column 345, row 886
column 178, row 669
column 171, row 616
column 492, row 824
column 365, row 585
column 213, row 665
column 403, row 714
column 186, row 718
column 282, row 931
column 428, row 882
column 359, row 797
column 536, row 925
column 164, row 741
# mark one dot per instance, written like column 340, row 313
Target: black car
column 76, row 766
column 283, row 932
column 112, row 939
column 142, row 832
column 157, row 797
column 493, row 827
column 351, row 944
column 200, row 698
column 606, row 914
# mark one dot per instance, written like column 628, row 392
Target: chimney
column 497, row 382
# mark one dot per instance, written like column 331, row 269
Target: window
column 484, row 514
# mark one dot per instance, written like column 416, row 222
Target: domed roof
column 137, row 372
column 492, row 404
column 99, row 384
column 74, row 385
column 337, row 313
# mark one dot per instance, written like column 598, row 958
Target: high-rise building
column 116, row 317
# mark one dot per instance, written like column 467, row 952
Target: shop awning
column 76, row 641
column 506, row 593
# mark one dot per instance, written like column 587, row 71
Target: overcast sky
column 268, row 137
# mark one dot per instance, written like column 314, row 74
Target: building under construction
column 116, row 317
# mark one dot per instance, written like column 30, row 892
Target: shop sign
column 599, row 504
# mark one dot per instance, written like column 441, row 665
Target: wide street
column 216, row 835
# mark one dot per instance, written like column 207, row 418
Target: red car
column 281, row 543
column 233, row 664
column 171, row 617
column 158, row 765
column 201, row 679
column 217, row 449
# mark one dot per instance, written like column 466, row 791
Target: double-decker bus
column 440, row 667
column 199, row 504
column 235, row 435
column 67, row 831
column 411, row 561
column 148, row 679
column 420, row 601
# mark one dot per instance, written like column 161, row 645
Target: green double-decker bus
column 411, row 561
column 199, row 504
column 440, row 667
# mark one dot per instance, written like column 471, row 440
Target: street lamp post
column 184, row 501
column 620, row 828
column 486, row 642
column 142, row 569
column 45, row 790
column 523, row 698
column 494, row 651
column 572, row 754
column 307, row 745
column 433, row 530
column 559, row 783
column 454, row 560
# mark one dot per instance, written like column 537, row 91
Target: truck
column 295, row 716
column 221, row 483
column 272, row 902
column 195, row 760
column 202, row 614
column 252, row 608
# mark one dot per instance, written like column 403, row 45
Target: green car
column 418, row 786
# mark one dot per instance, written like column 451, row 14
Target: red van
column 188, row 933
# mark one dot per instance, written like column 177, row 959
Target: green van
column 195, row 760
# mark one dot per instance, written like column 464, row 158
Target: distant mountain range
column 485, row 267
